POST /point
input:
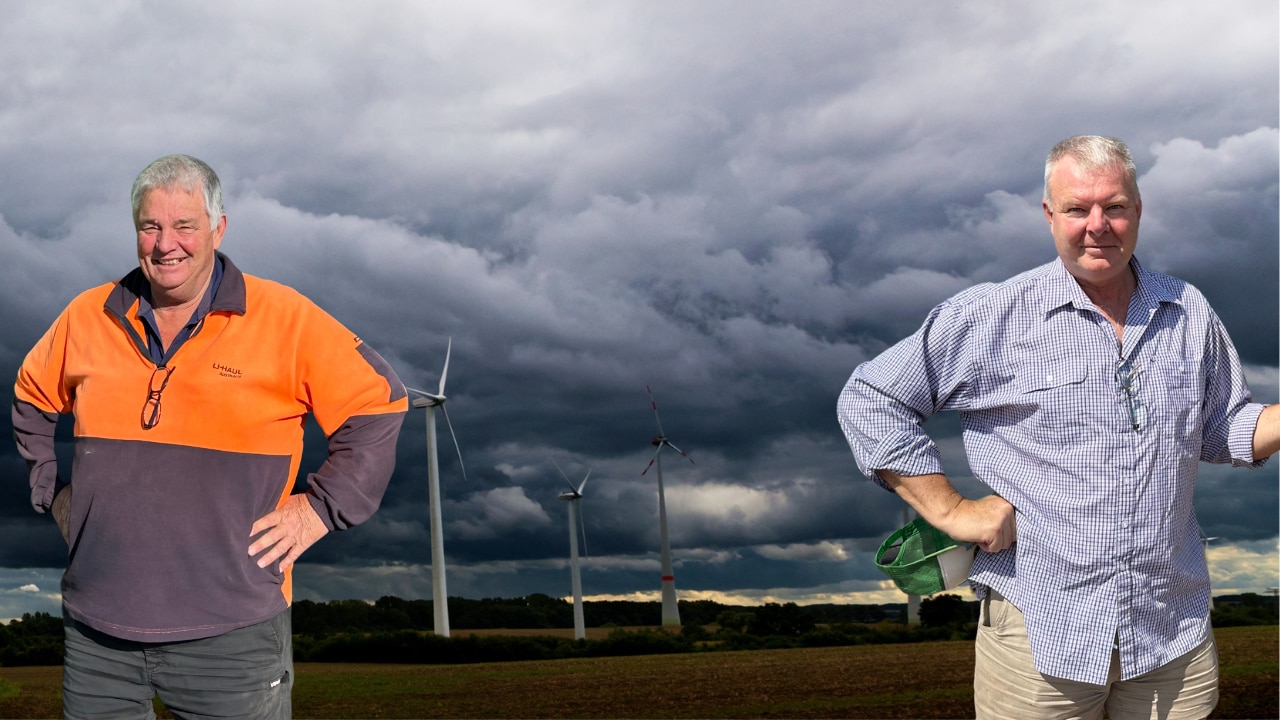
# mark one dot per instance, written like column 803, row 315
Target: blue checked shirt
column 1096, row 445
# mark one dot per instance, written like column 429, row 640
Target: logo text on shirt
column 226, row 371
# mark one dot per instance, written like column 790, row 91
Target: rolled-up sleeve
column 887, row 400
column 1230, row 415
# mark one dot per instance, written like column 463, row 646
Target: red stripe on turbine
column 665, row 578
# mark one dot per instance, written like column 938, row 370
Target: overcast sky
column 733, row 203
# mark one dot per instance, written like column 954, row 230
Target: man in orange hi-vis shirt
column 189, row 382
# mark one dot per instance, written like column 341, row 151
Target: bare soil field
column 866, row 681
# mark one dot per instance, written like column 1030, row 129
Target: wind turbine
column 913, row 601
column 439, row 592
column 574, row 497
column 670, row 609
column 1204, row 541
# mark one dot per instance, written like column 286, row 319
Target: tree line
column 539, row 611
column 392, row 630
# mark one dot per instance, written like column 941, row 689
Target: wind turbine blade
column 566, row 477
column 682, row 453
column 656, row 417
column 455, row 443
column 582, row 526
column 445, row 373
column 651, row 460
column 584, row 482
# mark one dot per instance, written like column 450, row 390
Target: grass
column 925, row 680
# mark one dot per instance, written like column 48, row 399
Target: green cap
column 922, row 560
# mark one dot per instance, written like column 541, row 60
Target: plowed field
column 928, row 680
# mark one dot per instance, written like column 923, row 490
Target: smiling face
column 176, row 245
column 1093, row 216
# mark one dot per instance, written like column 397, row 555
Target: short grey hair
column 185, row 172
column 1092, row 153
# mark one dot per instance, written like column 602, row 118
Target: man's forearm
column 989, row 522
column 61, row 511
column 933, row 496
column 1266, row 434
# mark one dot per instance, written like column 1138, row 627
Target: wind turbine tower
column 574, row 498
column 670, row 608
column 429, row 401
column 1204, row 541
column 913, row 601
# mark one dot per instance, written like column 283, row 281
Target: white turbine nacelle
column 425, row 400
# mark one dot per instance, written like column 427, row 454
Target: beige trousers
column 1006, row 685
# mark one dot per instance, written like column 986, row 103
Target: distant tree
column 735, row 620
column 389, row 602
column 552, row 612
column 1245, row 609
column 945, row 611
column 624, row 613
column 306, row 620
column 830, row 614
column 422, row 614
column 33, row 639
column 695, row 632
column 700, row 612
column 40, row 624
column 787, row 620
column 1252, row 599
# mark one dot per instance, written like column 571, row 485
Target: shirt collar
column 145, row 310
column 1062, row 289
column 1155, row 287
column 228, row 292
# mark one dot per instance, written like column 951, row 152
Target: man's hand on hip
column 286, row 533
column 988, row 521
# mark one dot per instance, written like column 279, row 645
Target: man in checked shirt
column 1089, row 391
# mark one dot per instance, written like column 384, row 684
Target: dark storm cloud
column 732, row 203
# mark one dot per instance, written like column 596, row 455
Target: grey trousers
column 246, row 673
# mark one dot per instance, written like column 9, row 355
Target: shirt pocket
column 1174, row 394
column 1055, row 400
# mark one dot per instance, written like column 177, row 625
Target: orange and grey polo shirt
column 160, row 516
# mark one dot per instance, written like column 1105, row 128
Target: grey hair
column 1093, row 153
column 185, row 172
